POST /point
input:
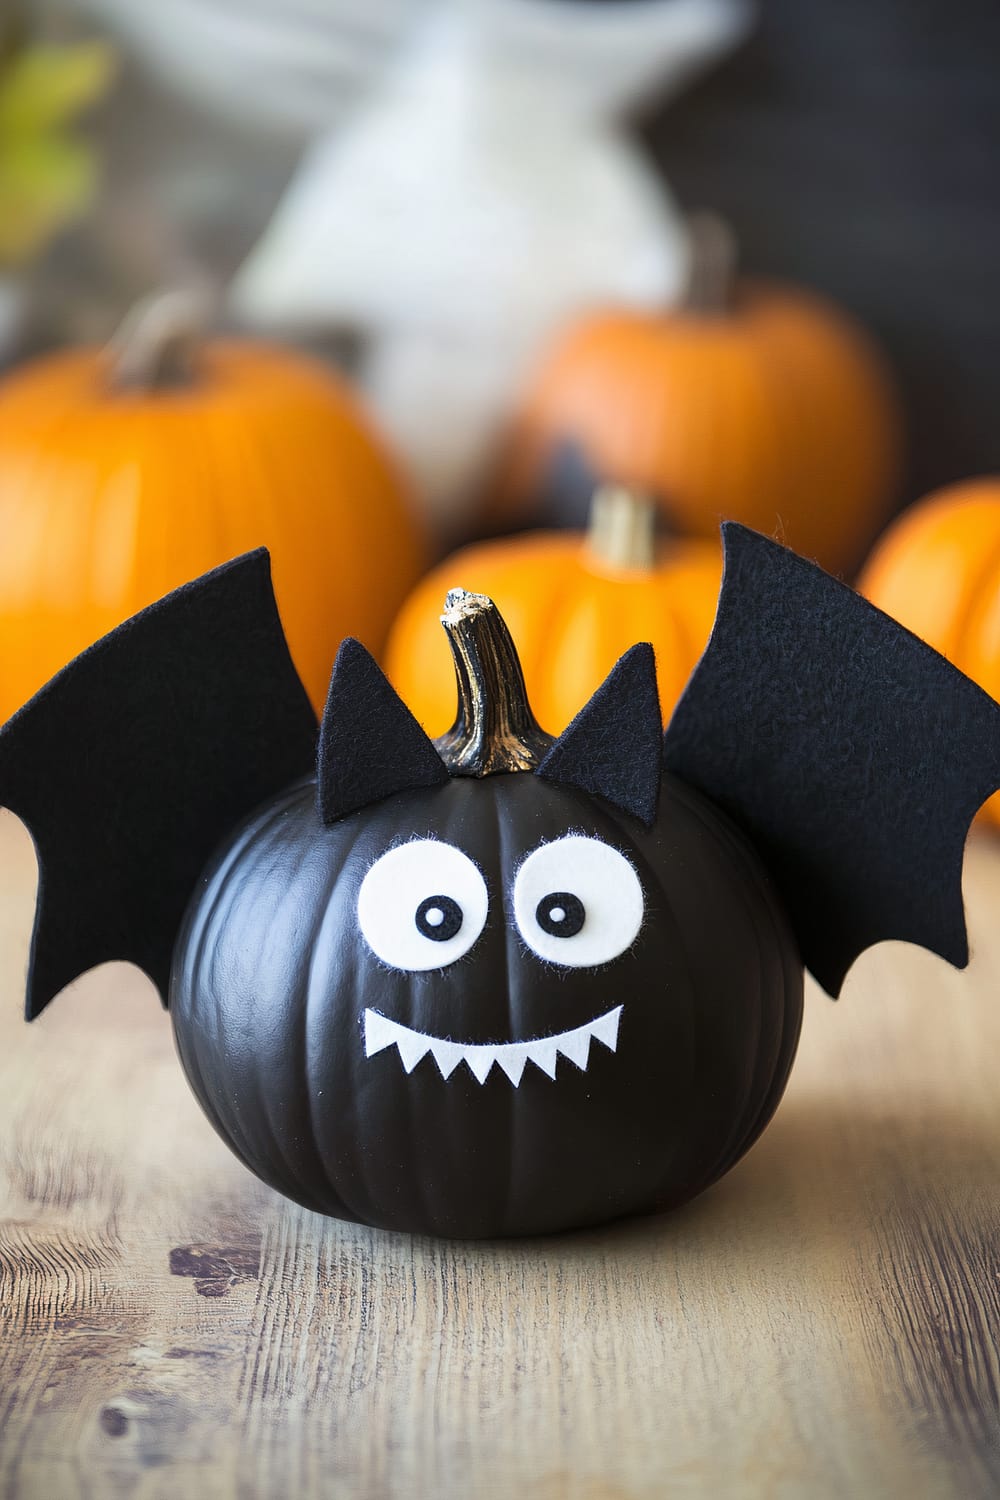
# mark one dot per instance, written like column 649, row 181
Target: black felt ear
column 133, row 763
column 370, row 745
column 613, row 746
column 853, row 754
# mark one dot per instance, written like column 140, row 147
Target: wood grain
column 823, row 1323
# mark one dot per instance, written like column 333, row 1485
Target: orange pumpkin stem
column 494, row 730
column 155, row 347
column 621, row 531
column 713, row 258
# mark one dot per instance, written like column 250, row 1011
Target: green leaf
column 46, row 85
column 45, row 182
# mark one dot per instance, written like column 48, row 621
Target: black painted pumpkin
column 498, row 1004
column 601, row 1022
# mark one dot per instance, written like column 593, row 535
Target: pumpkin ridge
column 199, row 920
column 566, row 596
column 58, row 489
column 755, row 1002
column 208, row 436
column 256, row 517
column 508, row 860
column 203, row 920
column 759, row 896
column 21, row 506
column 302, row 1032
column 786, row 1042
column 556, row 589
column 310, row 1002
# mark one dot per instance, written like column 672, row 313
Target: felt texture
column 480, row 1057
column 370, row 745
column 132, row 763
column 852, row 753
column 582, row 872
column 613, row 746
column 405, row 880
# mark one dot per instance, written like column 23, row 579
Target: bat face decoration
column 499, row 984
column 449, row 1013
column 484, row 965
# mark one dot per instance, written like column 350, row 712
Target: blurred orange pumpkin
column 937, row 571
column 574, row 603
column 755, row 402
column 124, row 475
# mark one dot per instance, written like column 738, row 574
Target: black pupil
column 561, row 913
column 438, row 918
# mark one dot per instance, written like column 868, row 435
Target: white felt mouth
column 381, row 1032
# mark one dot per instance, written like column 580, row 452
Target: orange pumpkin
column 574, row 603
column 756, row 402
column 937, row 571
column 123, row 476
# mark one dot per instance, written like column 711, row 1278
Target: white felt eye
column 578, row 902
column 422, row 905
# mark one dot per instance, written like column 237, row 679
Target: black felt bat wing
column 852, row 753
column 134, row 762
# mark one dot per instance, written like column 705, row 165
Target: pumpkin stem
column 155, row 346
column 713, row 257
column 621, row 531
column 494, row 729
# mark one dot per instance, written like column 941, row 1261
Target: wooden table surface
column 824, row 1322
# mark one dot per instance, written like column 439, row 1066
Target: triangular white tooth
column 606, row 1029
column 576, row 1046
column 512, row 1059
column 480, row 1060
column 380, row 1032
column 412, row 1047
column 447, row 1055
column 543, row 1054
